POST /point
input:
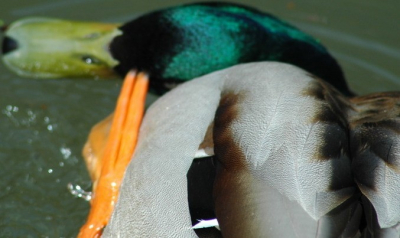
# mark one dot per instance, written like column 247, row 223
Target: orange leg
column 120, row 146
column 93, row 150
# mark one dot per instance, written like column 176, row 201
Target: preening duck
column 172, row 45
column 292, row 158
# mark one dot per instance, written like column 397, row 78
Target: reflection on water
column 43, row 124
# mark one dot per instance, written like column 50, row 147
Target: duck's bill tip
column 134, row 74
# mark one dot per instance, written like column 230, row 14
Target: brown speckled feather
column 280, row 177
column 375, row 148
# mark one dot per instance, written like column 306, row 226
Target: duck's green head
column 51, row 48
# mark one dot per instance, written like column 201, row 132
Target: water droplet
column 50, row 171
column 9, row 113
column 32, row 115
column 65, row 151
column 77, row 191
column 50, row 128
column 61, row 164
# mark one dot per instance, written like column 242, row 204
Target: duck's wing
column 282, row 147
column 154, row 200
column 289, row 179
column 375, row 147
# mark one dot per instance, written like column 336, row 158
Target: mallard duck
column 172, row 45
column 292, row 158
column 176, row 49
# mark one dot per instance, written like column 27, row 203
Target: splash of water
column 77, row 191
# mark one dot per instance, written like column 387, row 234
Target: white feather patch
column 206, row 224
column 204, row 152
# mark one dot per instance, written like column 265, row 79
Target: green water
column 44, row 123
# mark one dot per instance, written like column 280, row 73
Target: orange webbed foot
column 107, row 164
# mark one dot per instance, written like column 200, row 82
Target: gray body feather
column 282, row 140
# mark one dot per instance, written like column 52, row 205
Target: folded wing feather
column 284, row 143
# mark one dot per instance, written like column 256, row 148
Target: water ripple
column 351, row 40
